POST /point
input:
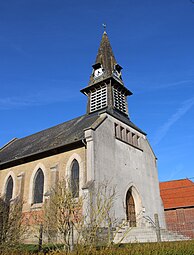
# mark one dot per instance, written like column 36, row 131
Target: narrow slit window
column 122, row 132
column 129, row 136
column 75, row 178
column 117, row 131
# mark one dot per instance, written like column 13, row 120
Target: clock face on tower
column 98, row 72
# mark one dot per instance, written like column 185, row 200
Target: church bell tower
column 106, row 90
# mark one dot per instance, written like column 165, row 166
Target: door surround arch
column 133, row 198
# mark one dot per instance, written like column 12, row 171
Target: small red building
column 178, row 200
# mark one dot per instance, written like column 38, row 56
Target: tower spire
column 105, row 60
column 106, row 88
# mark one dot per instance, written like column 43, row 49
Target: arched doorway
column 130, row 209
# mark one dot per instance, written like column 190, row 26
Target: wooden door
column 130, row 209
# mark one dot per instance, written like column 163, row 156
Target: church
column 103, row 144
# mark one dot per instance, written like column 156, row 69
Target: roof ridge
column 183, row 179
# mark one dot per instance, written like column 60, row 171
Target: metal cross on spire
column 104, row 26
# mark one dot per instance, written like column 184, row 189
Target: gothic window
column 38, row 187
column 119, row 100
column 75, row 178
column 9, row 190
column 98, row 98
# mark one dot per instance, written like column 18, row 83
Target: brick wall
column 181, row 220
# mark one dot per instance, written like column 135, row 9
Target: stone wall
column 126, row 166
column 23, row 175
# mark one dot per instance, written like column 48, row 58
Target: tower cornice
column 117, row 82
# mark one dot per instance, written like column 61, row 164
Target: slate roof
column 60, row 135
column 63, row 134
column 177, row 194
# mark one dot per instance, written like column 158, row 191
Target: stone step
column 169, row 234
column 137, row 234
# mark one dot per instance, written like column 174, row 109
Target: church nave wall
column 24, row 175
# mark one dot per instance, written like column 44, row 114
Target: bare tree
column 99, row 225
column 11, row 223
column 65, row 221
column 62, row 214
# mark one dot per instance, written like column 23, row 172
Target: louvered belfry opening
column 119, row 100
column 98, row 98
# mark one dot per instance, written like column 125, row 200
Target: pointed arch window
column 75, row 178
column 38, row 187
column 9, row 190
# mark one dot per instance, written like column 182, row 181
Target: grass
column 165, row 248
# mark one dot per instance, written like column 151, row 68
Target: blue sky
column 47, row 49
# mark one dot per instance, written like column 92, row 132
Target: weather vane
column 104, row 26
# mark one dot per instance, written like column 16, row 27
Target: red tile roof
column 178, row 193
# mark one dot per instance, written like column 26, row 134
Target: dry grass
column 168, row 248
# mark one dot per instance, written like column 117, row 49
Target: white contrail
column 161, row 133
